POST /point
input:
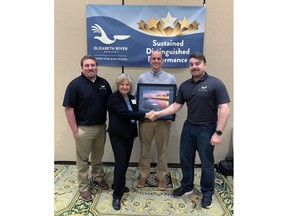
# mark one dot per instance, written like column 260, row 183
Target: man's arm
column 223, row 115
column 173, row 108
column 70, row 115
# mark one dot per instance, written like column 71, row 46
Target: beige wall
column 70, row 46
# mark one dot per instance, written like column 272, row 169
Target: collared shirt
column 129, row 108
column 89, row 99
column 202, row 98
column 161, row 77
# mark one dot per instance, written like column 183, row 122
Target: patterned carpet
column 145, row 201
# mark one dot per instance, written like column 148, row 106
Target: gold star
column 168, row 21
column 153, row 23
column 194, row 26
column 184, row 23
column 141, row 24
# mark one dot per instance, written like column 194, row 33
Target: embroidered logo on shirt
column 203, row 88
column 102, row 87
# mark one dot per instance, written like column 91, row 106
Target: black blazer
column 120, row 116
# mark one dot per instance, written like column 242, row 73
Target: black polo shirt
column 89, row 99
column 202, row 98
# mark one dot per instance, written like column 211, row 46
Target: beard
column 91, row 74
column 196, row 74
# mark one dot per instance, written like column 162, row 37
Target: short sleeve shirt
column 202, row 98
column 89, row 99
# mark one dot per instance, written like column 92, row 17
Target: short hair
column 198, row 56
column 121, row 78
column 85, row 57
column 154, row 51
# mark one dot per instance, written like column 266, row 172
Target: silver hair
column 121, row 78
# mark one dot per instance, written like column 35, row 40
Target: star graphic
column 168, row 21
column 153, row 23
column 141, row 24
column 184, row 23
column 194, row 25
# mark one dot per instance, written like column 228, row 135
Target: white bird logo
column 103, row 37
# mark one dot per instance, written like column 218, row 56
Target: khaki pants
column 90, row 141
column 160, row 130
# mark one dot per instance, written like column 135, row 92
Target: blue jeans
column 197, row 138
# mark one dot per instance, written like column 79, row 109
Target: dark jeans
column 122, row 148
column 197, row 138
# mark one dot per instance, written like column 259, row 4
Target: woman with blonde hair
column 122, row 131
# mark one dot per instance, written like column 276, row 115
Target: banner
column 125, row 35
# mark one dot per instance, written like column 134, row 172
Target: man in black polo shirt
column 85, row 103
column 208, row 101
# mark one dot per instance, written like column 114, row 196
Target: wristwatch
column 218, row 132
